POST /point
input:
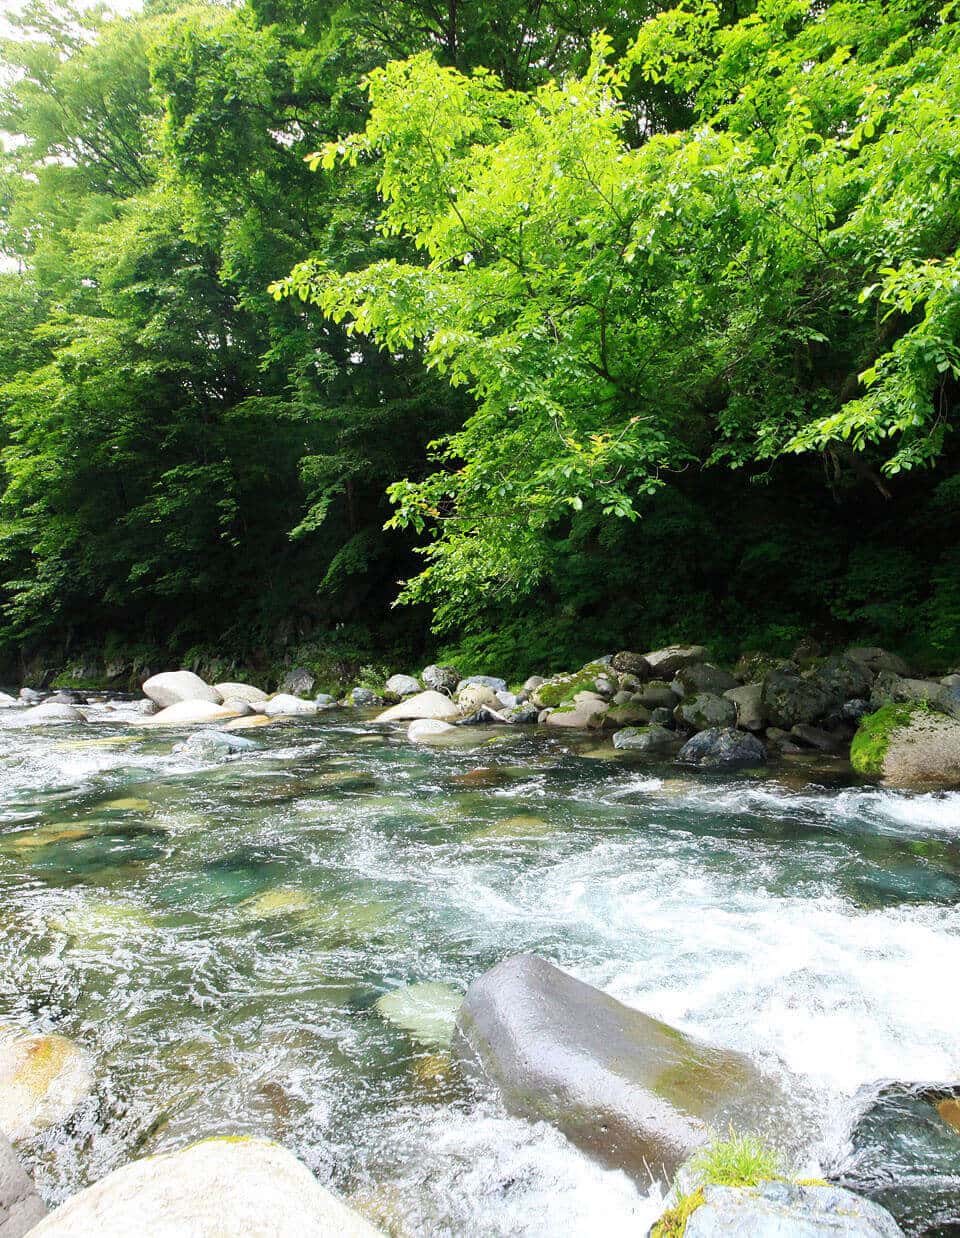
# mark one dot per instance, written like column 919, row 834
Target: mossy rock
column 875, row 733
column 562, row 688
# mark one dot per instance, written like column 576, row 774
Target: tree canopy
column 628, row 323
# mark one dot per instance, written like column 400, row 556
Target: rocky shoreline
column 863, row 704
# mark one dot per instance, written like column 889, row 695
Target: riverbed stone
column 20, row 1205
column 366, row 698
column 657, row 694
column 227, row 1186
column 426, row 1011
column 587, row 709
column 423, row 730
column 243, row 709
column 241, row 692
column 289, row 706
column 656, row 740
column 477, row 696
column 248, row 723
column 401, row 686
column 298, row 682
column 427, row 704
column 706, row 710
column 811, row 736
column 189, row 713
column 664, row 663
column 486, row 681
column 43, row 1080
column 627, row 713
column 844, row 678
column 788, row 1210
column 172, row 687
column 440, row 678
column 634, row 1092
column 748, row 699
column 719, row 746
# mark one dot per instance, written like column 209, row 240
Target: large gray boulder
column 241, row 692
column 702, row 677
column 586, row 710
column 789, row 697
column 748, row 700
column 844, row 678
column 298, row 682
column 50, row 714
column 172, row 687
column 20, row 1205
column 877, row 660
column 485, row 681
column 401, row 686
column 440, row 678
column 720, row 746
column 423, row 705
column 664, row 663
column 908, row 746
column 786, row 1210
column 627, row 663
column 630, row 1090
column 706, row 710
column 220, row 1187
column 657, row 694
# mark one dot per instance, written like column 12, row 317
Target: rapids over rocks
column 217, row 932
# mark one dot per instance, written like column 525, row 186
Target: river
column 216, row 934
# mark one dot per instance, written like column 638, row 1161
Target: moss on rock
column 876, row 730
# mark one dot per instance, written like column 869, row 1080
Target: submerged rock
column 173, row 687
column 627, row 1088
column 51, row 713
column 213, row 744
column 230, row 1186
column 426, row 1012
column 20, row 1205
column 247, row 723
column 904, row 1153
column 423, row 730
column 43, row 1080
column 723, row 746
column 423, row 705
column 788, row 1210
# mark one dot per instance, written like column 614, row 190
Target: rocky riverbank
column 862, row 704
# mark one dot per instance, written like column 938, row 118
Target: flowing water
column 216, row 934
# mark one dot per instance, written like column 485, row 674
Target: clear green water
column 812, row 924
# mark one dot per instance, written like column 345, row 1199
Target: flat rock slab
column 636, row 1093
column 783, row 1210
column 220, row 1187
column 20, row 1205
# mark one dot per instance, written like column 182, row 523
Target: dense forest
column 344, row 332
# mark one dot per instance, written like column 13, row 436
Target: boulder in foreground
column 719, row 746
column 20, row 1205
column 172, row 687
column 786, row 1210
column 632, row 1091
column 233, row 1186
column 424, row 705
column 909, row 746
